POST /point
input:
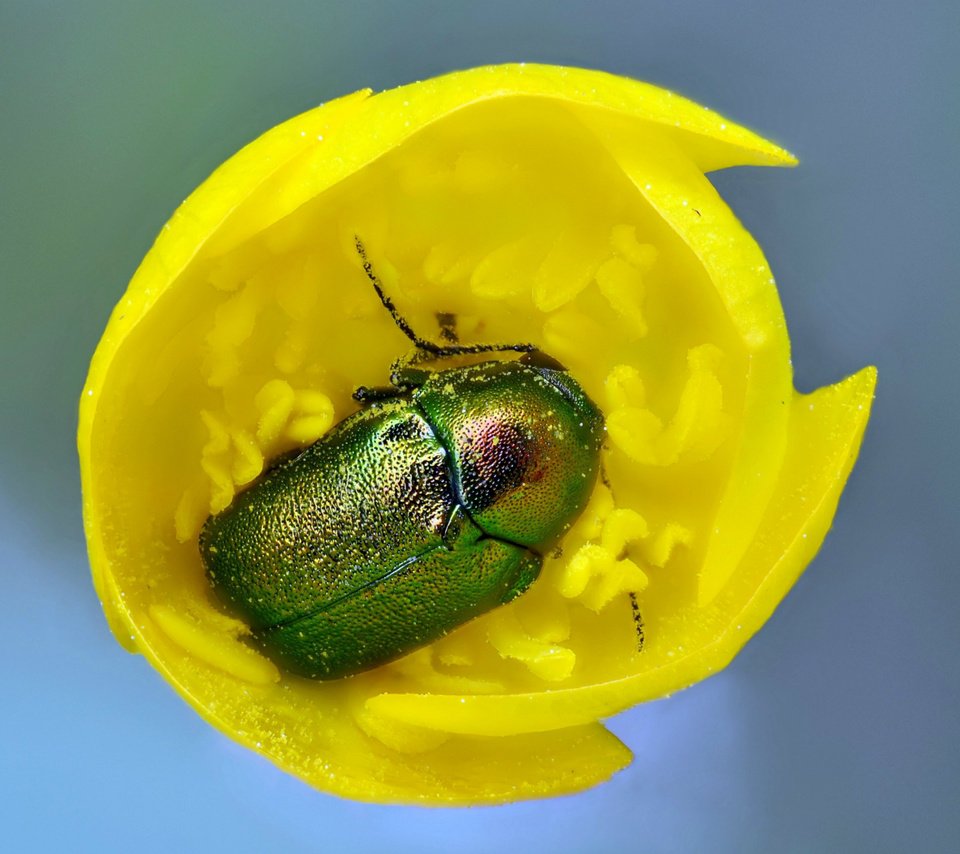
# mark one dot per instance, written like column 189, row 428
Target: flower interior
column 259, row 350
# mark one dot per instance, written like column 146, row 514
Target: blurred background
column 836, row 729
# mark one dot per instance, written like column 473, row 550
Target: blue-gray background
column 837, row 728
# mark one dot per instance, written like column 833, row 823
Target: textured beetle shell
column 408, row 519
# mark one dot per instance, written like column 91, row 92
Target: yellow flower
column 563, row 207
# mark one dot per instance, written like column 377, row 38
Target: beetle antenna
column 422, row 343
column 398, row 318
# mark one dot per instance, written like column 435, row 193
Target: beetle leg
column 404, row 378
column 404, row 374
column 637, row 621
column 365, row 394
column 638, row 625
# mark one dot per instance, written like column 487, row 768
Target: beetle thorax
column 497, row 456
column 523, row 448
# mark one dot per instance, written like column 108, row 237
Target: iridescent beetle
column 433, row 504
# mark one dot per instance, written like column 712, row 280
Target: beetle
column 434, row 503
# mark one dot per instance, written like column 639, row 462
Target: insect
column 431, row 505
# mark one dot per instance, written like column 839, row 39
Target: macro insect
column 434, row 503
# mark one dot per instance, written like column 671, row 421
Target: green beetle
column 430, row 506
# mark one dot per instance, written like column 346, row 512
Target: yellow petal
column 826, row 430
column 562, row 207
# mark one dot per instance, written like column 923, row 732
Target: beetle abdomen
column 415, row 603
